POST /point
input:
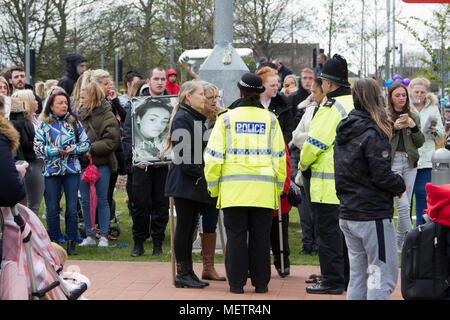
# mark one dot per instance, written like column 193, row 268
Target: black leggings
column 187, row 219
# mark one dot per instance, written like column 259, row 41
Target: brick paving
column 116, row 280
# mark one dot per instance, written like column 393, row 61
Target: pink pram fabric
column 91, row 175
column 14, row 253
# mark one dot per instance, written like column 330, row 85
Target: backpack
column 424, row 272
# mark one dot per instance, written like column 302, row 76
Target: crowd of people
column 350, row 149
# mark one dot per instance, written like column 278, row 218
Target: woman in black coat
column 185, row 180
column 12, row 189
column 366, row 186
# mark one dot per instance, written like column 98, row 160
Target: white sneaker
column 88, row 242
column 103, row 243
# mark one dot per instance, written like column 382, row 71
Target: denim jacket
column 54, row 133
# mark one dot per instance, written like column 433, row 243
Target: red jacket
column 173, row 88
column 285, row 205
column 438, row 199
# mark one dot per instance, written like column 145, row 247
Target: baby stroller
column 30, row 266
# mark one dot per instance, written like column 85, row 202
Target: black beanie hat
column 336, row 70
column 251, row 82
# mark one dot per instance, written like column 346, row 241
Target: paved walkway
column 114, row 280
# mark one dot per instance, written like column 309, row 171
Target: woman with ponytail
column 185, row 181
column 366, row 186
column 103, row 131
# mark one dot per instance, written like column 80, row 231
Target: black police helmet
column 336, row 70
column 251, row 82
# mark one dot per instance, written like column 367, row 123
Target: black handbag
column 294, row 194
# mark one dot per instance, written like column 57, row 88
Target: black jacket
column 280, row 106
column 293, row 100
column 187, row 180
column 67, row 82
column 365, row 183
column 283, row 72
column 12, row 189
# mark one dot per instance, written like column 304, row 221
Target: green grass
column 125, row 223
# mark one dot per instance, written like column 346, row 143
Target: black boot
column 184, row 277
column 71, row 248
column 138, row 249
column 157, row 248
column 194, row 276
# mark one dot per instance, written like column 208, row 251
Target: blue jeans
column 71, row 183
column 103, row 211
column 422, row 178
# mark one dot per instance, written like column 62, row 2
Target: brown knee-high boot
column 208, row 251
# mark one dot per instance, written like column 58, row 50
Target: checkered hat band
column 248, row 86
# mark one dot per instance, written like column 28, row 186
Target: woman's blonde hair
column 419, row 82
column 99, row 74
column 91, row 86
column 367, row 95
column 2, row 79
column 266, row 72
column 291, row 76
column 77, row 91
column 40, row 89
column 27, row 96
column 48, row 86
column 188, row 87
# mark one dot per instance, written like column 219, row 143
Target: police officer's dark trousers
column 333, row 265
column 148, row 201
column 254, row 256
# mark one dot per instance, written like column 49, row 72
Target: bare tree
column 260, row 22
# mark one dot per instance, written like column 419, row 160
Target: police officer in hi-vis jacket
column 245, row 167
column 316, row 162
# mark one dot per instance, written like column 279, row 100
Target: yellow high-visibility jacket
column 318, row 151
column 245, row 159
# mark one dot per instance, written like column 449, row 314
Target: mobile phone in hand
column 404, row 117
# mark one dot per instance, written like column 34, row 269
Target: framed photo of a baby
column 150, row 118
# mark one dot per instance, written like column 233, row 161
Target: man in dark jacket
column 75, row 66
column 18, row 81
column 146, row 183
column 283, row 71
